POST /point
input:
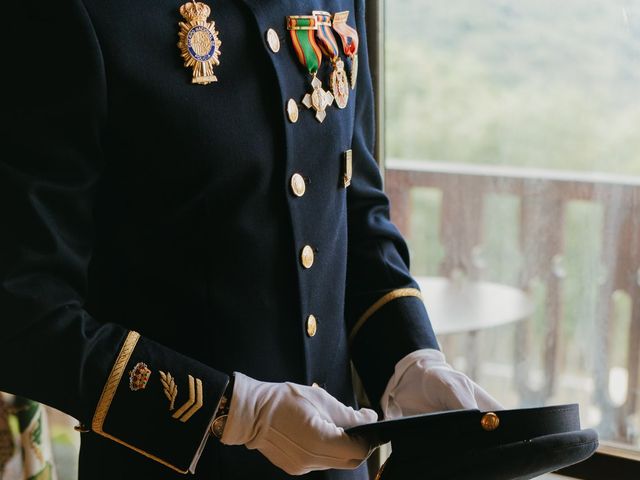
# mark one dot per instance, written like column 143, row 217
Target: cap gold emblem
column 490, row 421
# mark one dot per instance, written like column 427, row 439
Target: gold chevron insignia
column 195, row 402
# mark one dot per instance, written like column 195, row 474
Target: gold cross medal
column 302, row 28
column 318, row 99
column 198, row 42
column 329, row 46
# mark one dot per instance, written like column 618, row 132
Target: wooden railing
column 543, row 198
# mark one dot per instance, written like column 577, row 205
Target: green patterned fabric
column 7, row 447
column 34, row 460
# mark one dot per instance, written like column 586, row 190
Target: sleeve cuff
column 393, row 327
column 159, row 403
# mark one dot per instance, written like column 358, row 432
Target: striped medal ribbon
column 350, row 41
column 329, row 46
column 302, row 29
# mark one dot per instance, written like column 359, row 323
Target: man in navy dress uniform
column 195, row 243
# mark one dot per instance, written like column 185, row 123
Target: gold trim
column 142, row 452
column 392, row 295
column 109, row 391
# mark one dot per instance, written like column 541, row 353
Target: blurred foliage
column 536, row 83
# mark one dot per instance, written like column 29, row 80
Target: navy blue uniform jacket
column 149, row 220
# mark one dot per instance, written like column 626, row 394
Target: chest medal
column 302, row 29
column 329, row 46
column 350, row 41
column 198, row 42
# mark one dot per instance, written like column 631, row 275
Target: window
column 512, row 146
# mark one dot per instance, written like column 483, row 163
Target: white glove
column 298, row 428
column 423, row 382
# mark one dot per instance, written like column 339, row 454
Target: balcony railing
column 543, row 197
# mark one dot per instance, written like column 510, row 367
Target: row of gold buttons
column 298, row 184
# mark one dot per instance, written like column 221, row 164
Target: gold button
column 292, row 110
column 273, row 40
column 298, row 186
column 490, row 421
column 312, row 326
column 307, row 256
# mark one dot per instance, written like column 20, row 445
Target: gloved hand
column 423, row 382
column 298, row 428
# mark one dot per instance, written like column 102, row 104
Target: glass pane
column 513, row 166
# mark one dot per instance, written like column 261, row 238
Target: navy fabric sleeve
column 386, row 315
column 51, row 349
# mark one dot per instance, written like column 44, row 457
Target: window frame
column 608, row 458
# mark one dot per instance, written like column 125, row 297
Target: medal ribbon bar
column 302, row 29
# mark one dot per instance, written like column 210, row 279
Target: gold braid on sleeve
column 392, row 295
column 109, row 392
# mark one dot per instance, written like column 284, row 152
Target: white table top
column 463, row 305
